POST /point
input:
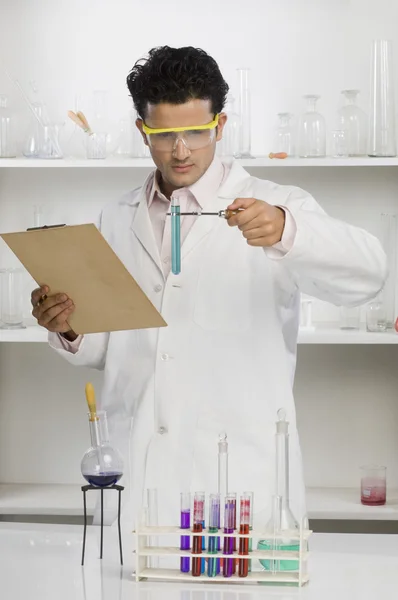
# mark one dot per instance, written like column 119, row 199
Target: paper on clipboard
column 78, row 261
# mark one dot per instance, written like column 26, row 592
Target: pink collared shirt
column 191, row 198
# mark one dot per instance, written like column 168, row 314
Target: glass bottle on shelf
column 244, row 150
column 284, row 136
column 31, row 146
column 354, row 122
column 376, row 319
column 229, row 144
column 312, row 131
column 7, row 133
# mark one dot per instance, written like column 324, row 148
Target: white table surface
column 42, row 562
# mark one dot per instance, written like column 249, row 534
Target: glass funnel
column 354, row 122
column 101, row 465
column 312, row 131
column 284, row 137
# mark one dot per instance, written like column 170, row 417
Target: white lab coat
column 226, row 361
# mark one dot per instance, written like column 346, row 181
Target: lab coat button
column 158, row 288
column 162, row 430
column 164, row 357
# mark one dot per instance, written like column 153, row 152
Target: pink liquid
column 373, row 491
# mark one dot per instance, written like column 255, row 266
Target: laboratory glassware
column 339, row 143
column 244, row 150
column 123, row 141
column 312, row 131
column 138, row 148
column 373, row 485
column 198, row 518
column 306, row 314
column 229, row 144
column 102, row 464
column 382, row 138
column 229, row 516
column 244, row 529
column 286, row 518
column 284, row 136
column 96, row 145
column 350, row 318
column 376, row 319
column 49, row 147
column 7, row 133
column 389, row 242
column 31, row 146
column 223, row 468
column 250, row 496
column 354, row 122
column 185, row 523
column 12, row 288
column 152, row 520
column 175, row 236
column 214, row 524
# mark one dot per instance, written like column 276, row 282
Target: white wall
column 346, row 396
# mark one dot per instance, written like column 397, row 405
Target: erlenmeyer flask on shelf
column 284, row 136
column 354, row 122
column 101, row 465
column 382, row 140
column 7, row 133
column 312, row 131
column 229, row 144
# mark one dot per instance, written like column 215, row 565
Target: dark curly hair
column 176, row 75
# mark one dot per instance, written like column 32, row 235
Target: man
column 226, row 360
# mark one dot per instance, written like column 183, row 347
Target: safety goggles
column 193, row 137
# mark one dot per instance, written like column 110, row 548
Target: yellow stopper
column 92, row 405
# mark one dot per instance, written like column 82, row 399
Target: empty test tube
column 185, row 524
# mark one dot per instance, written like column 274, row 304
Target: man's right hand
column 53, row 312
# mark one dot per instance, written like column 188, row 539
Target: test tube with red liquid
column 198, row 518
column 244, row 530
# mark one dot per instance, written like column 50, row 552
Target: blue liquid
column 282, row 565
column 103, row 479
column 175, row 240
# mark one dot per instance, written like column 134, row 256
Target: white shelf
column 44, row 499
column 331, row 334
column 327, row 334
column 32, row 333
column 258, row 161
column 344, row 503
column 57, row 499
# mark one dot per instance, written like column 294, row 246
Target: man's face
column 180, row 166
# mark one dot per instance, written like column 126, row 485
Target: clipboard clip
column 45, row 227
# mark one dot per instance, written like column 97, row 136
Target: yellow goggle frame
column 151, row 131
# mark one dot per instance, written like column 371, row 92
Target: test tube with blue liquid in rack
column 175, row 236
column 214, row 523
column 185, row 523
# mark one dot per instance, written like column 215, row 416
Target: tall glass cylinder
column 389, row 241
column 244, row 114
column 382, row 140
column 11, row 286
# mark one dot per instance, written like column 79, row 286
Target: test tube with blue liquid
column 185, row 523
column 175, row 236
column 214, row 520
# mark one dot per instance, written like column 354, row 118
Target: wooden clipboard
column 78, row 261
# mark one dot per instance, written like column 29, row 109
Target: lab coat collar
column 142, row 226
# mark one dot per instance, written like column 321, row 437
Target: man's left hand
column 262, row 224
